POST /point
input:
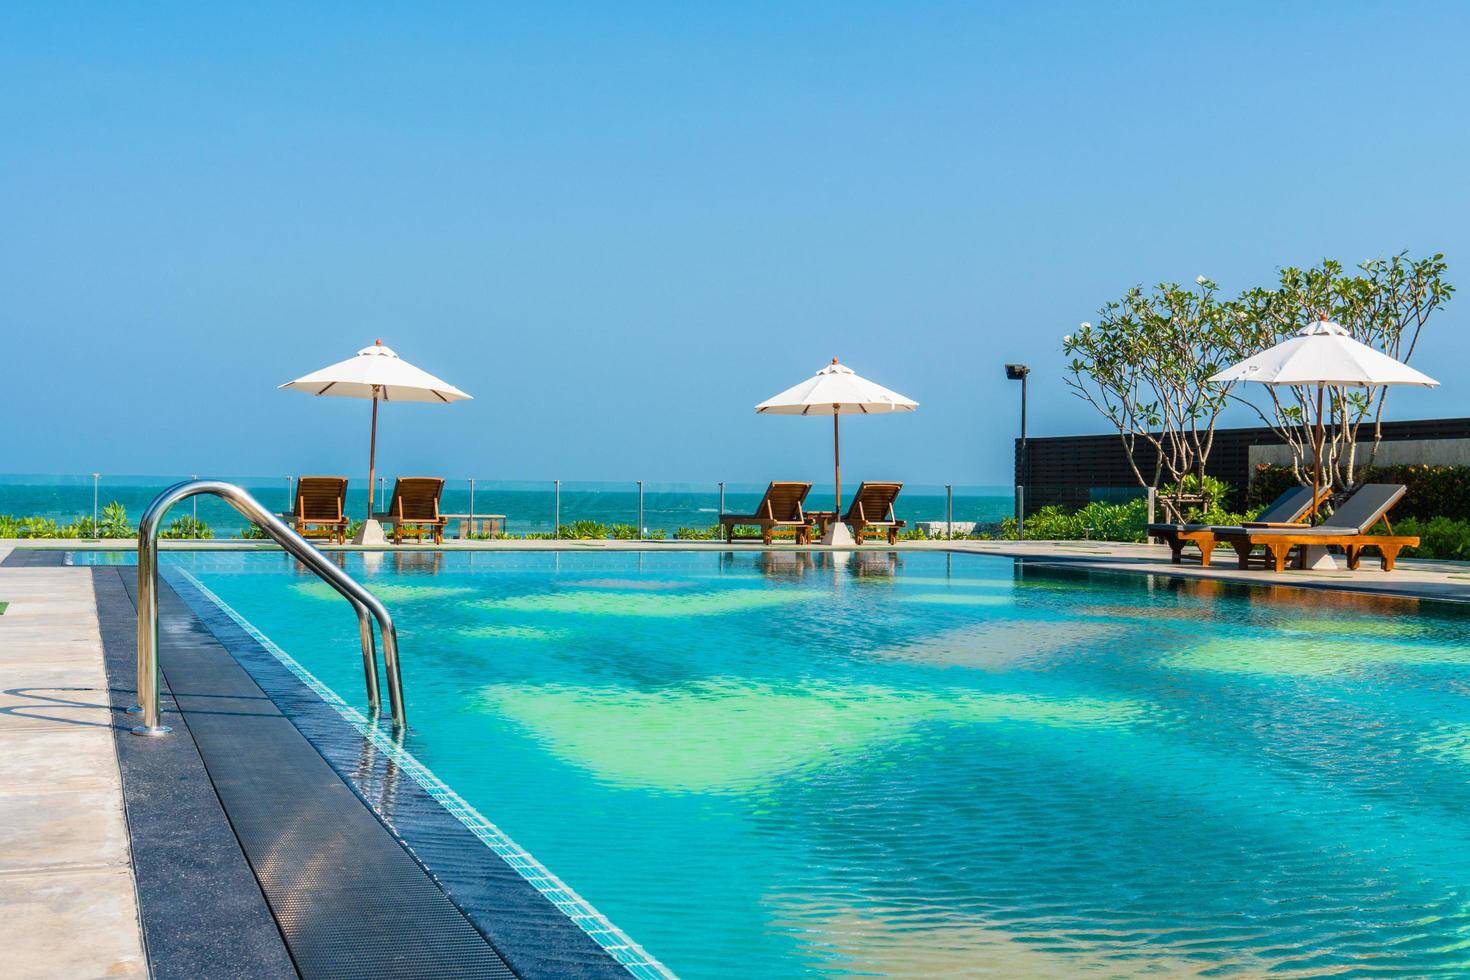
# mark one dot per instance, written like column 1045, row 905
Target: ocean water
column 914, row 764
column 528, row 506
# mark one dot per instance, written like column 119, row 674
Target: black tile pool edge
column 531, row 934
column 346, row 898
column 198, row 901
column 34, row 558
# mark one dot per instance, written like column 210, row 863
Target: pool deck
column 67, row 898
column 66, row 860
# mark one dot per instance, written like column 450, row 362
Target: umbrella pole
column 372, row 456
column 837, row 465
column 1317, row 456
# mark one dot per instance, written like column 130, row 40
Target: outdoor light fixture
column 1018, row 372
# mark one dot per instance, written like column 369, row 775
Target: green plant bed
column 187, row 527
column 112, row 524
column 1439, row 537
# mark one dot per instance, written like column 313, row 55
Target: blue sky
column 622, row 225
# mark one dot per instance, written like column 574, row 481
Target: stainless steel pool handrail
column 252, row 510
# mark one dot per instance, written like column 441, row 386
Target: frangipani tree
column 1385, row 305
column 1145, row 366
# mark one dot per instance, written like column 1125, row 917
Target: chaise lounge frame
column 413, row 509
column 1286, row 511
column 781, row 506
column 318, row 511
column 1347, row 528
column 877, row 499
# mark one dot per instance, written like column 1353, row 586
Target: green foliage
column 1439, row 537
column 35, row 527
column 655, row 534
column 1269, row 482
column 1098, row 521
column 623, row 532
column 252, row 532
column 114, row 522
column 187, row 527
column 583, row 530
column 1145, row 367
column 710, row 533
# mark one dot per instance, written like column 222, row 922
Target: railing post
column 949, row 511
column 194, row 531
column 556, row 514
column 149, row 673
column 472, row 507
column 1020, row 512
column 363, row 602
column 722, row 498
column 96, row 482
column 640, row 510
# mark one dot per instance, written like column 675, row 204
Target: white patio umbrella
column 835, row 390
column 378, row 373
column 1325, row 355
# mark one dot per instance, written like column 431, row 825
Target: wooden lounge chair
column 414, row 508
column 872, row 507
column 1347, row 528
column 319, row 508
column 1287, row 510
column 780, row 507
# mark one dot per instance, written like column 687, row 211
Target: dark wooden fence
column 1073, row 470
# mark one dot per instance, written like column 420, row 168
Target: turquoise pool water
column 920, row 764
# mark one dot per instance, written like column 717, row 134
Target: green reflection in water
column 643, row 604
column 729, row 735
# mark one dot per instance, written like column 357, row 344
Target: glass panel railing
column 480, row 507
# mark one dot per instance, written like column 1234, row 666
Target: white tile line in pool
column 618, row 944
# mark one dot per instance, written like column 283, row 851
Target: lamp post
column 1018, row 372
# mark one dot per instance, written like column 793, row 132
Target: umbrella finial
column 379, row 341
column 834, row 360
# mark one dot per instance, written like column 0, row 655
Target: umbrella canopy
column 835, row 390
column 1325, row 355
column 376, row 372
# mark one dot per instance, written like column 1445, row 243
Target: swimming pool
column 768, row 764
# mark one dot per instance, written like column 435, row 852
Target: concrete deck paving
column 67, row 905
column 67, row 893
